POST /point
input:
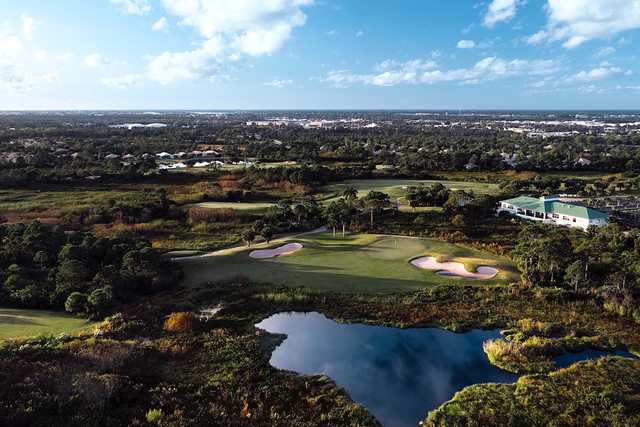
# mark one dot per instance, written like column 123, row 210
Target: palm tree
column 333, row 215
column 299, row 211
column 376, row 201
column 350, row 193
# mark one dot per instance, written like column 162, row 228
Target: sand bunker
column 287, row 249
column 454, row 269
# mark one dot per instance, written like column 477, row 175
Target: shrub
column 458, row 221
column 154, row 416
column 533, row 327
column 180, row 322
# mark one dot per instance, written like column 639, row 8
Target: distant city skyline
column 319, row 55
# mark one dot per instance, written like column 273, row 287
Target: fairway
column 362, row 263
column 240, row 206
column 18, row 323
column 397, row 188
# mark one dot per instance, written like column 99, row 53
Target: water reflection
column 398, row 374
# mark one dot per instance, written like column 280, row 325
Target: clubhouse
column 550, row 210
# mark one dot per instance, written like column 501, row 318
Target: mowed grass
column 397, row 188
column 360, row 263
column 18, row 323
column 240, row 206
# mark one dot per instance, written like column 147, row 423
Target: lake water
column 397, row 374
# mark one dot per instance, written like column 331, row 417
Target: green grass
column 17, row 323
column 240, row 206
column 396, row 188
column 361, row 263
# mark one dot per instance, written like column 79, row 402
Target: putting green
column 17, row 323
column 359, row 263
column 397, row 188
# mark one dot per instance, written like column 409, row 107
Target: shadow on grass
column 17, row 320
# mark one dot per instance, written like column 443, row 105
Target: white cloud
column 279, row 83
column 95, row 60
column 160, row 25
column 392, row 73
column 499, row 11
column 595, row 74
column 28, row 26
column 22, row 67
column 359, row 33
column 133, row 7
column 332, row 32
column 254, row 27
column 122, row 82
column 466, row 44
column 170, row 67
column 574, row 22
column 605, row 51
column 231, row 29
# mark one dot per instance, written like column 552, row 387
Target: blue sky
column 325, row 54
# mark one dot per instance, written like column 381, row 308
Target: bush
column 180, row 322
column 458, row 221
column 154, row 416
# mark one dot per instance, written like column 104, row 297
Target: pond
column 397, row 374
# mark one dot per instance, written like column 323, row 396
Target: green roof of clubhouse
column 545, row 205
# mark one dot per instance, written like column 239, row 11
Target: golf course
column 18, row 323
column 359, row 263
column 256, row 207
column 397, row 188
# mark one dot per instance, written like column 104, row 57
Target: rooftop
column 550, row 204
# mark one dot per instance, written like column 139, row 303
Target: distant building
column 550, row 210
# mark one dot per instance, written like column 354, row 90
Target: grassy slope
column 16, row 323
column 360, row 263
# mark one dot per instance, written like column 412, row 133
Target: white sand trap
column 454, row 269
column 287, row 249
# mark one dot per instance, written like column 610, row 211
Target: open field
column 362, row 263
column 396, row 188
column 17, row 323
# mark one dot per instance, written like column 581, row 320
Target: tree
column 576, row 275
column 333, row 215
column 98, row 301
column 249, row 236
column 300, row 211
column 72, row 276
column 350, row 194
column 375, row 202
column 267, row 232
column 76, row 303
column 41, row 258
